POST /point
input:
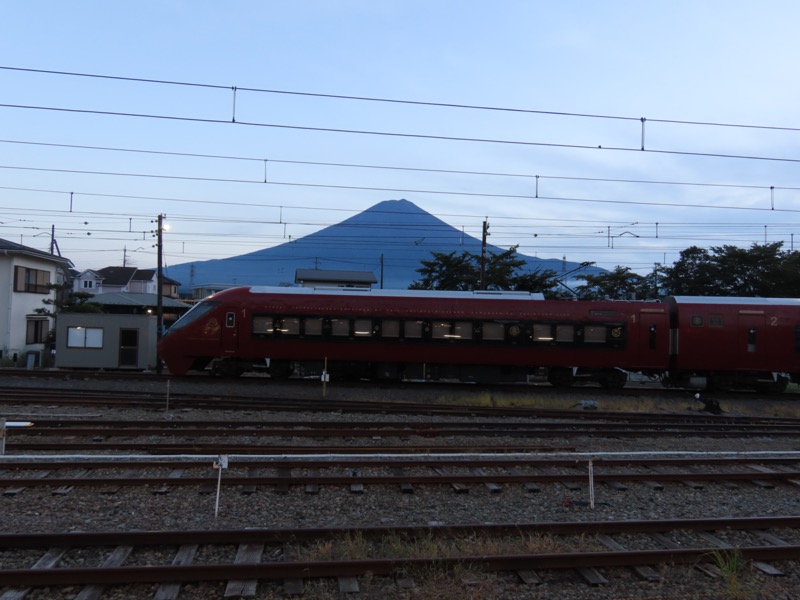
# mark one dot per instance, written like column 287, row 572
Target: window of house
column 88, row 284
column 36, row 331
column 34, row 281
column 84, row 337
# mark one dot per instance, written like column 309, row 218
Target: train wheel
column 613, row 379
column 561, row 377
column 226, row 368
column 281, row 369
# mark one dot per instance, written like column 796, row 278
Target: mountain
column 395, row 233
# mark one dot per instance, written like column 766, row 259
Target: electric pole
column 483, row 253
column 160, row 290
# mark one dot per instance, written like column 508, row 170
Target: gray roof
column 135, row 299
column 332, row 276
column 14, row 248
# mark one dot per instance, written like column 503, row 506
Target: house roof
column 124, row 275
column 8, row 247
column 135, row 299
column 334, row 276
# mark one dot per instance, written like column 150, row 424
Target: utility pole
column 160, row 290
column 483, row 253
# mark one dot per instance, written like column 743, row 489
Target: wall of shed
column 108, row 356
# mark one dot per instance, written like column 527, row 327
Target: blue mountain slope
column 396, row 234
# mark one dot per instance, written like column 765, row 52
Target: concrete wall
column 94, row 341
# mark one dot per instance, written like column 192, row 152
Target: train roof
column 736, row 301
column 368, row 292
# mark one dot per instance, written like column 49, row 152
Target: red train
column 719, row 343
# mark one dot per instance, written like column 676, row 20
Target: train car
column 405, row 334
column 734, row 343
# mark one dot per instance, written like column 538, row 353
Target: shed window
column 84, row 337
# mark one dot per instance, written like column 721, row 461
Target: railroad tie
column 13, row 491
column 164, row 488
column 66, row 489
column 185, row 556
column 642, row 571
column 312, row 488
column 723, row 545
column 115, row 559
column 244, row 588
column 49, row 560
column 405, row 486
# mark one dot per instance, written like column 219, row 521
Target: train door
column 654, row 336
column 230, row 334
column 753, row 339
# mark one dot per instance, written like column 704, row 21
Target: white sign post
column 222, row 463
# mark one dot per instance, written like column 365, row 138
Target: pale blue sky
column 721, row 62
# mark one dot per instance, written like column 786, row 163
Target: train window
column 565, row 333
column 542, row 333
column 312, row 326
column 363, row 327
column 290, row 326
column 230, row 319
column 442, row 330
column 716, row 321
column 413, row 329
column 340, row 327
column 391, row 328
column 594, row 334
column 493, row 331
column 262, row 325
column 463, row 330
column 696, row 321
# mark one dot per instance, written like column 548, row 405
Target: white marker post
column 325, row 377
column 222, row 463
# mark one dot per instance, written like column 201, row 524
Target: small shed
column 331, row 278
column 105, row 341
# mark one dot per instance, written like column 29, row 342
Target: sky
column 619, row 132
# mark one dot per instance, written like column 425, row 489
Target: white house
column 25, row 274
column 123, row 279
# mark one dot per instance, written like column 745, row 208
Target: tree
column 68, row 301
column 447, row 272
column 763, row 270
column 462, row 272
column 619, row 284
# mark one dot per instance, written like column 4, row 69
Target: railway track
column 280, row 474
column 593, row 551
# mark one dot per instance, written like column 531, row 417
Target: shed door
column 129, row 348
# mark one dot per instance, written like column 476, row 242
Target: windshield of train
column 194, row 313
